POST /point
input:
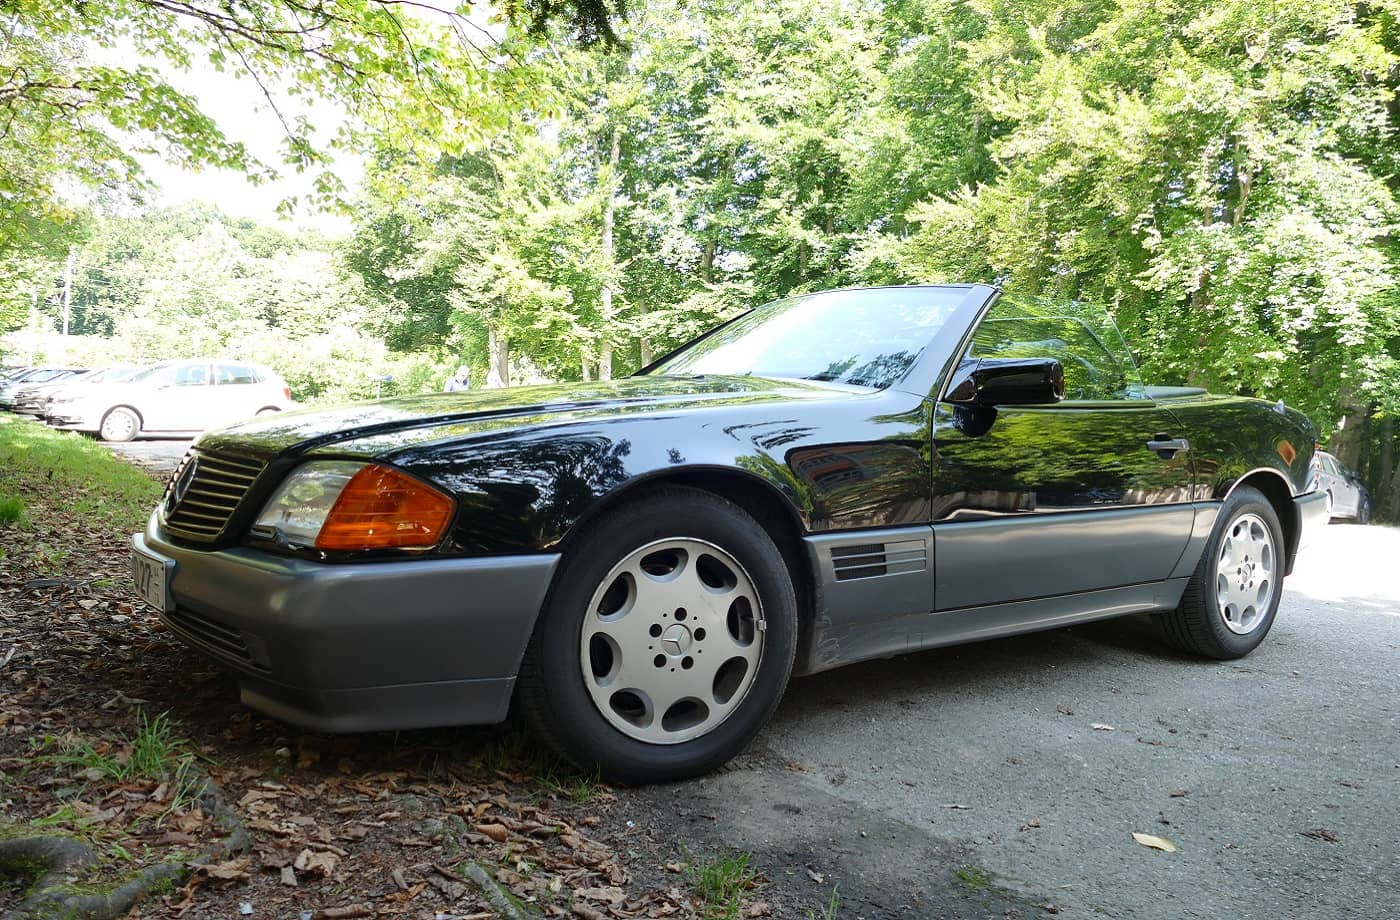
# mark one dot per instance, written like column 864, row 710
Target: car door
column 1348, row 492
column 236, row 395
column 1045, row 501
column 178, row 399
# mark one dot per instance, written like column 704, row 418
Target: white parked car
column 170, row 398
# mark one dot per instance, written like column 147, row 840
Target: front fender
column 853, row 461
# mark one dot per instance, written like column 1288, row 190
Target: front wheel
column 120, row 424
column 1232, row 597
column 1363, row 510
column 666, row 642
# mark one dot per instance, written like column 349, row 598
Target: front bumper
column 65, row 415
column 363, row 646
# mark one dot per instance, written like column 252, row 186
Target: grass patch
column 721, row 882
column 11, row 510
column 79, row 474
column 832, row 908
column 518, row 754
column 566, row 782
column 973, row 878
column 155, row 752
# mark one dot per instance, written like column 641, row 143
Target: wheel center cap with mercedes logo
column 676, row 640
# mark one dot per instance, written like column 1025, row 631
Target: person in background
column 462, row 380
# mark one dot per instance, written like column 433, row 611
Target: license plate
column 151, row 573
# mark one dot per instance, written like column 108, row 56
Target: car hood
column 383, row 426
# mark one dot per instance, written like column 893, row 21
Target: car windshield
column 865, row 338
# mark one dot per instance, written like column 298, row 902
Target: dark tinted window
column 1082, row 338
column 865, row 338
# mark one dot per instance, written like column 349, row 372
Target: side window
column 233, row 373
column 1095, row 359
column 191, row 375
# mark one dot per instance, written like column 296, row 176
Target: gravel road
column 947, row 782
column 160, row 456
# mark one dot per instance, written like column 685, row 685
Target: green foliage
column 90, row 88
column 11, row 510
column 1221, row 174
column 194, row 282
column 720, row 882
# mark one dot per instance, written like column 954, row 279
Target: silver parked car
column 172, row 398
column 10, row 389
column 1346, row 493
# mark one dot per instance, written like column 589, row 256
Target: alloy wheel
column 1246, row 574
column 672, row 640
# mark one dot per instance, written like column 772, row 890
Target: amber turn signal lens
column 381, row 508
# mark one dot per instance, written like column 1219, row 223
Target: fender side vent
column 871, row 560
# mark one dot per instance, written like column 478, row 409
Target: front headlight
column 344, row 505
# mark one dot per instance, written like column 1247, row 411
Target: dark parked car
column 1346, row 493
column 640, row 565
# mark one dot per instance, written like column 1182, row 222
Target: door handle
column 1166, row 447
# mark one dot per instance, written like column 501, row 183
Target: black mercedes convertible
column 639, row 566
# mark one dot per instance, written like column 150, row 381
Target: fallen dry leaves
column 1154, row 842
column 342, row 828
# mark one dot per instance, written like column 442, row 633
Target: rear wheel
column 1230, row 602
column 1363, row 510
column 120, row 424
column 667, row 640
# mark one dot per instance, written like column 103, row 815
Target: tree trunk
column 585, row 364
column 609, row 264
column 1196, row 376
column 498, row 344
column 647, row 356
column 707, row 261
column 1345, row 443
column 1385, row 500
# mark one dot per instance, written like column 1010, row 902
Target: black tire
column 1363, row 511
column 551, row 692
column 119, row 424
column 1196, row 625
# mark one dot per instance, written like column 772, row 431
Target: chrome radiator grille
column 204, row 492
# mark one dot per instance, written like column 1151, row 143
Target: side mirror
column 1007, row 382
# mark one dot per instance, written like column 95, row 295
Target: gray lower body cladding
column 359, row 647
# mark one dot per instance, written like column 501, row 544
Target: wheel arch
column 775, row 512
column 1275, row 487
